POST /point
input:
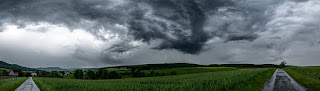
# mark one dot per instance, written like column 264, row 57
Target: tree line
column 104, row 74
column 100, row 74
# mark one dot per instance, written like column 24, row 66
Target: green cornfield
column 179, row 71
column 192, row 70
column 11, row 84
column 307, row 76
column 237, row 80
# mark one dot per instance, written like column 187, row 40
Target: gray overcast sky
column 98, row 33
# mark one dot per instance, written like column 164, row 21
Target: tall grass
column 217, row 67
column 238, row 80
column 179, row 71
column 307, row 76
column 191, row 70
column 11, row 84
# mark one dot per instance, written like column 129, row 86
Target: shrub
column 28, row 74
column 91, row 74
column 102, row 73
column 114, row 75
column 152, row 74
column 173, row 73
column 78, row 74
column 5, row 73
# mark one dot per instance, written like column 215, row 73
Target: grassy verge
column 238, row 80
column 11, row 84
column 307, row 76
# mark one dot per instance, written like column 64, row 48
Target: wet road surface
column 28, row 85
column 281, row 81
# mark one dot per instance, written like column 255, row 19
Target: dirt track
column 28, row 85
column 281, row 81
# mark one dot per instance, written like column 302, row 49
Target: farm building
column 13, row 73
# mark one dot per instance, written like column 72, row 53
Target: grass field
column 179, row 71
column 191, row 70
column 237, row 80
column 307, row 76
column 11, row 84
column 216, row 67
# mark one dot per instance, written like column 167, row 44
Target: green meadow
column 307, row 76
column 166, row 72
column 223, row 80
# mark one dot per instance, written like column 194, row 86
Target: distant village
column 19, row 73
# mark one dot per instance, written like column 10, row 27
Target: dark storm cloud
column 192, row 18
column 238, row 21
column 139, row 31
column 178, row 23
column 244, row 37
column 300, row 0
column 67, row 12
column 187, row 15
column 121, row 47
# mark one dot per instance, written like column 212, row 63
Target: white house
column 33, row 74
column 13, row 73
column 67, row 73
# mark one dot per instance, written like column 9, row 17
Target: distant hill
column 175, row 65
column 49, row 69
column 15, row 67
column 84, row 69
column 159, row 66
